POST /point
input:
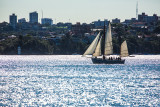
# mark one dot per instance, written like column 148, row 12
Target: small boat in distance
column 101, row 49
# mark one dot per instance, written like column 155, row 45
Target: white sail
column 108, row 49
column 124, row 49
column 92, row 47
column 98, row 48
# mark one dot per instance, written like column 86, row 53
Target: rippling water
column 72, row 80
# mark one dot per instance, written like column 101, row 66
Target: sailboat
column 101, row 49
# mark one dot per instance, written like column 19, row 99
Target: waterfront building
column 116, row 20
column 22, row 20
column 19, row 50
column 33, row 17
column 47, row 21
column 13, row 20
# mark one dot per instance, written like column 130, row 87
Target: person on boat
column 103, row 57
column 111, row 58
column 119, row 58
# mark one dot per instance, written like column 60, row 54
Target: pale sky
column 84, row 11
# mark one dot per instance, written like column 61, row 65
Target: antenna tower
column 137, row 10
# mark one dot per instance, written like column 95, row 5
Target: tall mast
column 103, row 43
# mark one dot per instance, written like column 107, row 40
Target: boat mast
column 119, row 39
column 103, row 43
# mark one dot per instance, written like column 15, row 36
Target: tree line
column 33, row 45
column 37, row 46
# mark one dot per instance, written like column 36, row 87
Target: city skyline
column 84, row 11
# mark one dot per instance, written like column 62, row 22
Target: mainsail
column 92, row 47
column 102, row 45
column 98, row 48
column 108, row 49
column 124, row 49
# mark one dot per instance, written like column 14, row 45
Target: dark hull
column 107, row 61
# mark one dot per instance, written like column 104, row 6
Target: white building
column 19, row 50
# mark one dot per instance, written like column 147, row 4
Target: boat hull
column 107, row 61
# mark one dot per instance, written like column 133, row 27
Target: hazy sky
column 78, row 10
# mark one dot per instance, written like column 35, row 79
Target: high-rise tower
column 13, row 20
column 33, row 17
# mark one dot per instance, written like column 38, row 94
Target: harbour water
column 72, row 80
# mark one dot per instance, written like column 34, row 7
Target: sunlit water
column 73, row 80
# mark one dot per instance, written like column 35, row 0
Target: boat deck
column 107, row 61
